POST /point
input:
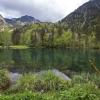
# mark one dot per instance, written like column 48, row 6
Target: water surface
column 35, row 60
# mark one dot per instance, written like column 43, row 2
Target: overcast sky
column 44, row 10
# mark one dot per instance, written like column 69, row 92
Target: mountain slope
column 15, row 22
column 85, row 19
column 2, row 23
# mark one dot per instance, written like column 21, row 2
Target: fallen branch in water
column 94, row 66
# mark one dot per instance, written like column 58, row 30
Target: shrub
column 29, row 82
column 82, row 78
column 4, row 80
column 85, row 78
column 95, row 78
column 53, row 82
column 86, row 91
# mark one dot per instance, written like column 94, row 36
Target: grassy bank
column 19, row 47
column 50, row 87
column 15, row 47
column 27, row 47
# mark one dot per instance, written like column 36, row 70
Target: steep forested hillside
column 85, row 19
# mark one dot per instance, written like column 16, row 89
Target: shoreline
column 28, row 47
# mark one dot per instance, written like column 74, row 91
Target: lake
column 34, row 60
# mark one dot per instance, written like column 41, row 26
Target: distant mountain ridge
column 21, row 21
column 85, row 19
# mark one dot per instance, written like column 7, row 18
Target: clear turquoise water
column 42, row 59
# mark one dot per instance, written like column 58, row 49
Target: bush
column 85, row 78
column 86, row 91
column 29, row 82
column 54, row 83
column 95, row 78
column 80, row 78
column 4, row 80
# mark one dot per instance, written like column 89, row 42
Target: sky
column 44, row 10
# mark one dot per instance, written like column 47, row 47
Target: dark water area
column 34, row 60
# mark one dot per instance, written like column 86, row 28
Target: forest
column 48, row 35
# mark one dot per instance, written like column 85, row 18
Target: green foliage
column 30, row 96
column 29, row 82
column 80, row 78
column 85, row 78
column 47, row 86
column 36, row 83
column 48, row 35
column 22, row 96
column 5, row 38
column 85, row 87
column 4, row 80
column 54, row 83
column 95, row 78
column 87, row 91
column 64, row 40
column 25, row 38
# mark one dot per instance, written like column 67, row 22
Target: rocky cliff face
column 85, row 19
column 2, row 23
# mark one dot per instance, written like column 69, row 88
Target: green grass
column 19, row 47
column 15, row 47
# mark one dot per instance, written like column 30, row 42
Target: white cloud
column 45, row 10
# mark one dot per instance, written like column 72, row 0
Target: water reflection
column 43, row 59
